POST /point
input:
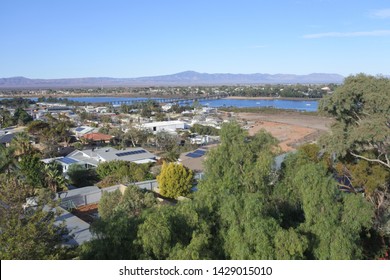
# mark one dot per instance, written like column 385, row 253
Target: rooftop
column 95, row 156
column 97, row 136
column 78, row 229
column 163, row 123
column 194, row 160
column 6, row 138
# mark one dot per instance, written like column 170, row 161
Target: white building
column 168, row 126
column 82, row 130
column 166, row 107
column 93, row 157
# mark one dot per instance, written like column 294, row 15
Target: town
column 194, row 139
column 139, row 163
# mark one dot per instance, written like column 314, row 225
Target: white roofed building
column 81, row 130
column 168, row 126
column 94, row 157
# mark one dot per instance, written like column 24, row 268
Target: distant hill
column 186, row 78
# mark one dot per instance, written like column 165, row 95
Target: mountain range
column 187, row 78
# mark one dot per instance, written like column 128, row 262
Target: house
column 81, row 130
column 6, row 139
column 168, row 126
column 194, row 160
column 93, row 157
column 66, row 162
column 60, row 109
column 166, row 107
column 93, row 109
column 79, row 227
column 78, row 230
column 97, row 137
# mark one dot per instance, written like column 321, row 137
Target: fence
column 70, row 201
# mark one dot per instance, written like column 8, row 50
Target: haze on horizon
column 126, row 39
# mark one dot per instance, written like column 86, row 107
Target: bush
column 124, row 171
column 175, row 180
column 80, row 176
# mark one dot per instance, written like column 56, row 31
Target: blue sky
column 133, row 38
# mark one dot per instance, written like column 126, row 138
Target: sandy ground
column 290, row 128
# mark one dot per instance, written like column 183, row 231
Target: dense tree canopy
column 204, row 130
column 361, row 107
column 119, row 171
column 360, row 139
column 116, row 230
column 21, row 117
column 27, row 233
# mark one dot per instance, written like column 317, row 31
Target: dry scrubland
column 290, row 128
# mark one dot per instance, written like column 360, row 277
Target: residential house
column 6, row 139
column 194, row 160
column 82, row 130
column 97, row 138
column 93, row 157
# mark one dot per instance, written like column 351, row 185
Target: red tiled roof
column 97, row 137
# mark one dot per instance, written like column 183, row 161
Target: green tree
column 290, row 245
column 172, row 155
column 137, row 136
column 166, row 141
column 108, row 203
column 240, row 163
column 21, row 117
column 130, row 203
column 32, row 170
column 5, row 118
column 360, row 139
column 80, row 176
column 54, row 180
column 28, row 233
column 361, row 107
column 116, row 230
column 175, row 180
column 21, row 144
column 204, row 130
column 308, row 200
column 8, row 161
column 119, row 171
column 179, row 232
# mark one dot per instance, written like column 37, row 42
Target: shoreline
column 271, row 98
column 129, row 95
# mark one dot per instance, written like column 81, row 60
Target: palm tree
column 54, row 179
column 8, row 161
column 21, row 145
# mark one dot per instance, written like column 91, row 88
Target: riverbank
column 271, row 98
column 75, row 95
column 134, row 95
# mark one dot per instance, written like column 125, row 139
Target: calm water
column 300, row 105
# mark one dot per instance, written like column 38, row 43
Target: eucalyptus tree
column 360, row 137
column 361, row 107
column 28, row 232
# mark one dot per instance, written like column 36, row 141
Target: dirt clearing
column 290, row 128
